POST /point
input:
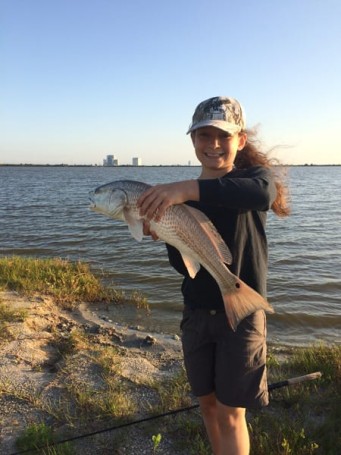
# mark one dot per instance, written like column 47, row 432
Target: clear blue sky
column 81, row 79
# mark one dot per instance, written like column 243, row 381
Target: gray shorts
column 231, row 364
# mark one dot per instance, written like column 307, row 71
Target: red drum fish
column 192, row 233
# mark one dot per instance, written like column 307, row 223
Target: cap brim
column 231, row 128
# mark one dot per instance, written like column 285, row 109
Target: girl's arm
column 254, row 190
column 158, row 198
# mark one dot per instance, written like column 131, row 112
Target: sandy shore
column 31, row 366
column 37, row 370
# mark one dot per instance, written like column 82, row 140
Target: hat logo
column 216, row 109
column 215, row 114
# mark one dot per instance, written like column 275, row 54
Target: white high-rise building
column 137, row 161
column 110, row 160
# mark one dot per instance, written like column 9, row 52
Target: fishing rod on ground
column 273, row 386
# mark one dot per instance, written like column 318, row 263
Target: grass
column 104, row 397
column 7, row 317
column 68, row 283
column 41, row 435
column 173, row 393
column 91, row 389
column 303, row 419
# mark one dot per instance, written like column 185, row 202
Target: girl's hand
column 147, row 231
column 154, row 202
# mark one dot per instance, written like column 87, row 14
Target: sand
column 33, row 372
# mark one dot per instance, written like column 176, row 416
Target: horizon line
column 143, row 165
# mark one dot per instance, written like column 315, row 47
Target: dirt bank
column 36, row 378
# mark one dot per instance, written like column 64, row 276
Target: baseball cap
column 222, row 112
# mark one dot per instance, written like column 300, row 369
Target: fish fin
column 135, row 226
column 243, row 302
column 120, row 216
column 192, row 265
column 206, row 224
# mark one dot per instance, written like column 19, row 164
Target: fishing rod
column 273, row 386
column 297, row 380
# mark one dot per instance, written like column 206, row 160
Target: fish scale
column 179, row 228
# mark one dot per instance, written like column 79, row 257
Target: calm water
column 44, row 213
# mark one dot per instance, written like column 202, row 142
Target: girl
column 235, row 189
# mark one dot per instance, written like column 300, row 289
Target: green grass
column 68, row 283
column 109, row 397
column 173, row 392
column 41, row 435
column 302, row 419
column 8, row 316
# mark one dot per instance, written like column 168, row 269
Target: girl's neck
column 214, row 173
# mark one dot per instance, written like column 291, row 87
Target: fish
column 192, row 233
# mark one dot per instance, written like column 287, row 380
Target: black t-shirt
column 237, row 205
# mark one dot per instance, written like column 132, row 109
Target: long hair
column 252, row 155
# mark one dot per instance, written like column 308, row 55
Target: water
column 44, row 213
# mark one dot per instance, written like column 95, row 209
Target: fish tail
column 243, row 302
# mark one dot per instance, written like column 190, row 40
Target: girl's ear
column 242, row 141
column 193, row 136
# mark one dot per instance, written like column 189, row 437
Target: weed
column 22, row 391
column 272, row 360
column 106, row 396
column 192, row 436
column 68, row 283
column 173, row 392
column 318, row 357
column 8, row 316
column 11, row 315
column 156, row 441
column 303, row 419
column 280, row 435
column 139, row 300
column 41, row 436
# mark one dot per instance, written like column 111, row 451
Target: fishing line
column 273, row 386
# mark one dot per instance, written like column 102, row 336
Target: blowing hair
column 252, row 155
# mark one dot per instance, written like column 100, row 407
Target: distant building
column 137, row 161
column 110, row 160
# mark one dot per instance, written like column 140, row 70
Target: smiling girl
column 235, row 189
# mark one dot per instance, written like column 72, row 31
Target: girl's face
column 216, row 150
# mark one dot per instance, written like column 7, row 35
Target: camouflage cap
column 222, row 112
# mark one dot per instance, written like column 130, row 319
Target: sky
column 82, row 79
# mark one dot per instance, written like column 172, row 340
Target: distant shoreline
column 148, row 165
